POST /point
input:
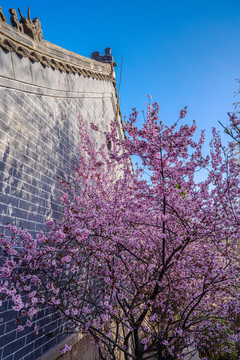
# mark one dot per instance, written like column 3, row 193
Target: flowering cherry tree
column 145, row 261
column 233, row 129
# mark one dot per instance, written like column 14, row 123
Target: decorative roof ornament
column 31, row 28
column 107, row 58
column 14, row 20
column 2, row 17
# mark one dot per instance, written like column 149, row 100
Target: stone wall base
column 82, row 349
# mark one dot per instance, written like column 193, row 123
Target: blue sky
column 183, row 53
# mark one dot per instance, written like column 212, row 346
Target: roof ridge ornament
column 107, row 58
column 31, row 27
column 14, row 20
column 2, row 17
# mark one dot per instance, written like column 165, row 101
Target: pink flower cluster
column 146, row 260
column 183, row 113
column 94, row 127
column 65, row 349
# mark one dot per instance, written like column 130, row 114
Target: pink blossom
column 32, row 311
column 183, row 113
column 55, row 301
column 134, row 252
column 86, row 310
column 29, row 323
column 233, row 117
column 36, row 329
column 65, row 349
column 145, row 341
column 94, row 127
column 66, row 258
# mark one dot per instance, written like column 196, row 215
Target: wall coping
column 54, row 56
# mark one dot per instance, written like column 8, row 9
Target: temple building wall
column 44, row 89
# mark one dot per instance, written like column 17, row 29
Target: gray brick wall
column 38, row 143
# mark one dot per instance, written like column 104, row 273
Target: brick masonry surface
column 39, row 112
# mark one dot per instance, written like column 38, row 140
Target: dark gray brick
column 11, row 325
column 13, row 347
column 21, row 194
column 28, row 225
column 8, row 357
column 41, row 341
column 3, row 207
column 10, row 200
column 51, row 327
column 34, row 355
column 8, row 315
column 24, row 351
column 32, row 190
column 6, row 129
column 2, row 330
column 31, row 337
column 36, row 218
column 37, row 200
column 19, row 213
column 7, row 338
column 49, row 345
column 46, row 319
column 28, row 206
column 3, row 308
column 40, row 227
